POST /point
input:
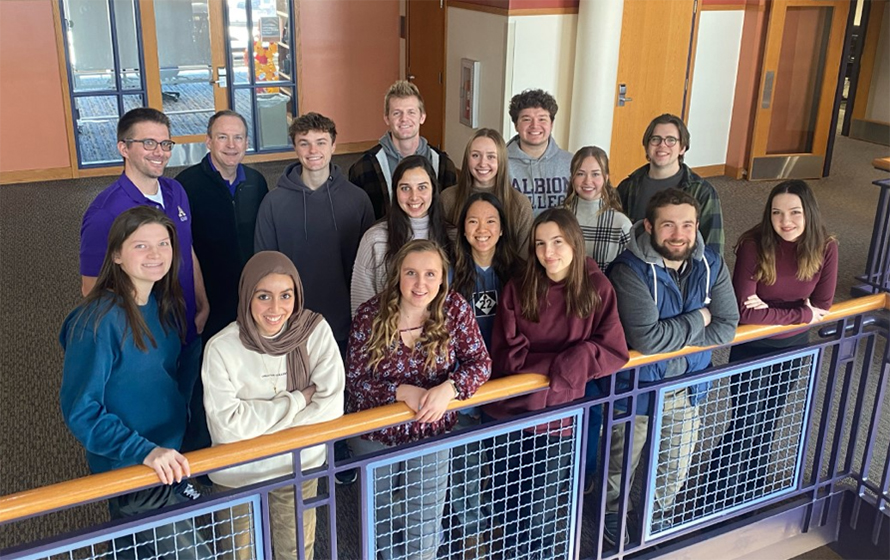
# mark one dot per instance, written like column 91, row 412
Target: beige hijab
column 290, row 342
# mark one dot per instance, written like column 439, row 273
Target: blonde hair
column 385, row 326
column 402, row 89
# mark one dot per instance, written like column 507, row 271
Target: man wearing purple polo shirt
column 143, row 140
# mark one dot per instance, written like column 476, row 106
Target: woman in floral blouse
column 418, row 343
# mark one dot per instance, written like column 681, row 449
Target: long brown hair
column 115, row 282
column 502, row 189
column 505, row 258
column 398, row 222
column 581, row 298
column 385, row 326
column 465, row 179
column 609, row 193
column 810, row 245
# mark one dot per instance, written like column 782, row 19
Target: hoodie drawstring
column 654, row 284
column 305, row 218
column 707, row 281
column 331, row 201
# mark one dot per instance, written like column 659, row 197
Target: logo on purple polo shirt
column 182, row 215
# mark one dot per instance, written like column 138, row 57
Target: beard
column 670, row 255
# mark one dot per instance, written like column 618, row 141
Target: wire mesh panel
column 505, row 492
column 756, row 457
column 232, row 531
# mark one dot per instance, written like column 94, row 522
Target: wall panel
column 483, row 37
column 350, row 54
column 713, row 86
column 541, row 55
column 32, row 128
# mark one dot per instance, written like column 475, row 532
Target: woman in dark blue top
column 484, row 261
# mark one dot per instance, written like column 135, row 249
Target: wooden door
column 656, row 36
column 425, row 62
column 801, row 60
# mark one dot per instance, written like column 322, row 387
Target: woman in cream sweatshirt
column 276, row 367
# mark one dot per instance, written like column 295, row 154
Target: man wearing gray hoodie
column 317, row 218
column 403, row 113
column 539, row 169
column 673, row 291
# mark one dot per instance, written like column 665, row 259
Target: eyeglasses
column 150, row 143
column 669, row 141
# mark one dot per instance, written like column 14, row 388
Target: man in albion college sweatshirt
column 539, row 169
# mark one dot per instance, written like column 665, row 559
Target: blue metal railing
column 823, row 438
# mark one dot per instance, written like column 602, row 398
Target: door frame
column 443, row 70
column 763, row 166
column 151, row 91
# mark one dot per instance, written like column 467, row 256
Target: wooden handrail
column 64, row 494
column 747, row 333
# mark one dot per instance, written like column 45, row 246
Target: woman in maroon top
column 559, row 319
column 785, row 274
column 418, row 343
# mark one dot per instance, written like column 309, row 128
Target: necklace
column 271, row 378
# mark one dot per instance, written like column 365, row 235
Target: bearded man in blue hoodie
column 317, row 217
column 673, row 291
column 539, row 168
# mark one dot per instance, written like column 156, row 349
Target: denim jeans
column 466, row 479
column 419, row 486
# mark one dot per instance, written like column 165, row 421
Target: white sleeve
column 327, row 373
column 366, row 269
column 230, row 416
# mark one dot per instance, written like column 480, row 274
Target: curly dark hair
column 531, row 99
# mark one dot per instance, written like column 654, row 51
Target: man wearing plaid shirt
column 666, row 140
column 403, row 114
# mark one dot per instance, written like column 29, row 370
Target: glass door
column 188, row 59
column 261, row 58
column 804, row 43
column 105, row 73
column 185, row 42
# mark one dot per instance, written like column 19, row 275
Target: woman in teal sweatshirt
column 120, row 394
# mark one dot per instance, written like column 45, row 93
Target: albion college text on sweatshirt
column 545, row 181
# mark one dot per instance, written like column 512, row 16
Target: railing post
column 877, row 267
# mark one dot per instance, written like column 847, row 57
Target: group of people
column 217, row 311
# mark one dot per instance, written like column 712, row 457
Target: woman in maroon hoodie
column 785, row 274
column 560, row 319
